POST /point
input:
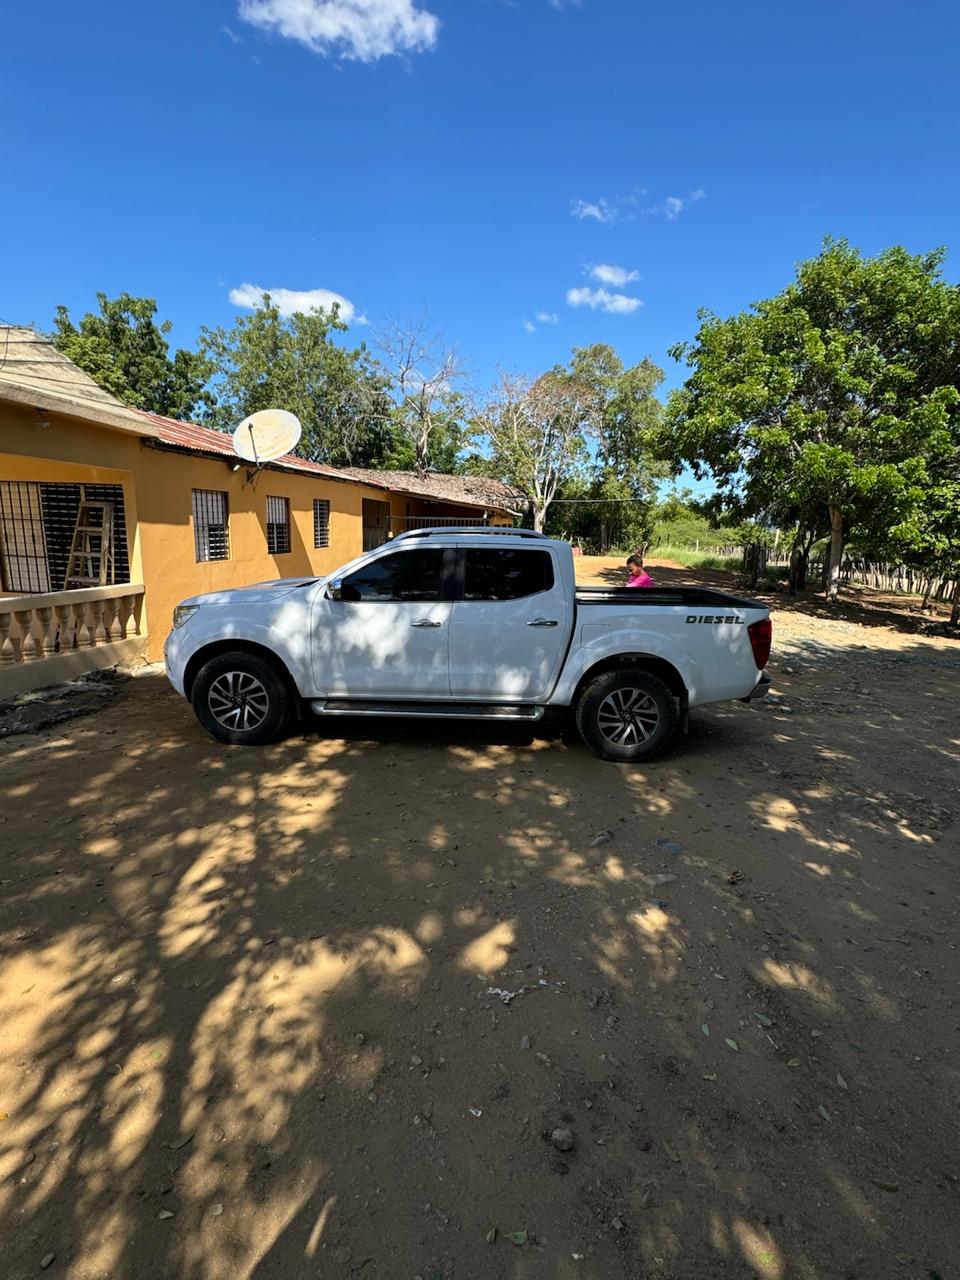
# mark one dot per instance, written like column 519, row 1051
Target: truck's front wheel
column 241, row 698
column 626, row 715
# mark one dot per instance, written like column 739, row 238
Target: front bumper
column 175, row 660
column 759, row 689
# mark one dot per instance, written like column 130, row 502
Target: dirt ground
column 316, row 1010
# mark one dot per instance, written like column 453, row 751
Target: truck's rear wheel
column 627, row 715
column 242, row 699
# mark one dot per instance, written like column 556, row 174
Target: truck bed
column 691, row 597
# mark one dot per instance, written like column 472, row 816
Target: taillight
column 760, row 634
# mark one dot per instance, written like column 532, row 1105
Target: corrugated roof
column 468, row 491
column 472, row 491
column 34, row 373
column 189, row 435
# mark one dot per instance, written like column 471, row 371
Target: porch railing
column 438, row 522
column 61, row 634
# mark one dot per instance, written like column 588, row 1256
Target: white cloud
column 364, row 30
column 289, row 301
column 529, row 326
column 608, row 273
column 616, row 304
column 602, row 210
column 231, row 35
column 547, row 317
column 673, row 206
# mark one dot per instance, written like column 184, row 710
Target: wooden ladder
column 90, row 563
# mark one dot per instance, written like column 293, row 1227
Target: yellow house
column 182, row 514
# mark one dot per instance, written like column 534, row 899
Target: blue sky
column 608, row 165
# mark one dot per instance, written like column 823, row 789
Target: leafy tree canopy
column 586, row 427
column 834, row 401
column 125, row 351
column 338, row 393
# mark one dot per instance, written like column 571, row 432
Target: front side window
column 406, row 576
column 506, row 573
column 210, row 537
column 278, row 525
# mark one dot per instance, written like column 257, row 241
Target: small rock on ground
column 563, row 1139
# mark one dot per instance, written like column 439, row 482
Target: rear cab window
column 506, row 573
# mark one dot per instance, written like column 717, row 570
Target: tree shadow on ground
column 258, row 991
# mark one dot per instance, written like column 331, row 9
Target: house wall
column 158, row 485
column 48, row 449
column 166, row 482
column 158, row 492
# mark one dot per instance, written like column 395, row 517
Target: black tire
column 629, row 704
column 243, row 699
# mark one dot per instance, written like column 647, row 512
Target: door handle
column 425, row 622
column 543, row 622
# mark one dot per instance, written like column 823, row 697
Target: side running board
column 426, row 710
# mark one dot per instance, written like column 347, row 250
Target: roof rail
column 490, row 530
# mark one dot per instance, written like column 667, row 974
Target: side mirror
column 335, row 589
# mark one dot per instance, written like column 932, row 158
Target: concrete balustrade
column 63, row 634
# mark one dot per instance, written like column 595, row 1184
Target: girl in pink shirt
column 638, row 575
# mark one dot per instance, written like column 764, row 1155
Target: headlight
column 182, row 612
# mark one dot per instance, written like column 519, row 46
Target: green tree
column 537, row 431
column 602, row 512
column 339, row 394
column 586, row 428
column 446, row 441
column 830, row 403
column 125, row 351
column 680, row 521
column 931, row 542
column 626, row 469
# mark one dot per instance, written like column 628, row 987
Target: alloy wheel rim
column 238, row 700
column 628, row 717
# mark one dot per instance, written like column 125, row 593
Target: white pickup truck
column 466, row 624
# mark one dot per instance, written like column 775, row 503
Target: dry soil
column 316, row 1010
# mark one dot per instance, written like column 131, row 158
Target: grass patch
column 696, row 559
column 691, row 559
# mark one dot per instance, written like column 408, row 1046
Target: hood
column 258, row 593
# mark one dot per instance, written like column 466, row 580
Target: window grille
column 278, row 525
column 36, row 529
column 211, row 538
column 321, row 522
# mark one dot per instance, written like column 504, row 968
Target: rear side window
column 405, row 576
column 507, row 573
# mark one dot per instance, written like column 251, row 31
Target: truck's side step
column 433, row 710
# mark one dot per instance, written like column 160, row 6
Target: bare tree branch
column 424, row 372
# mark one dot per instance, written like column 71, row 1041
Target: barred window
column 321, row 522
column 278, row 525
column 37, row 524
column 211, row 539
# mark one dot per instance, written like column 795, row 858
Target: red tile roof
column 470, row 491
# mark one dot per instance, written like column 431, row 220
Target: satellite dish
column 266, row 435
